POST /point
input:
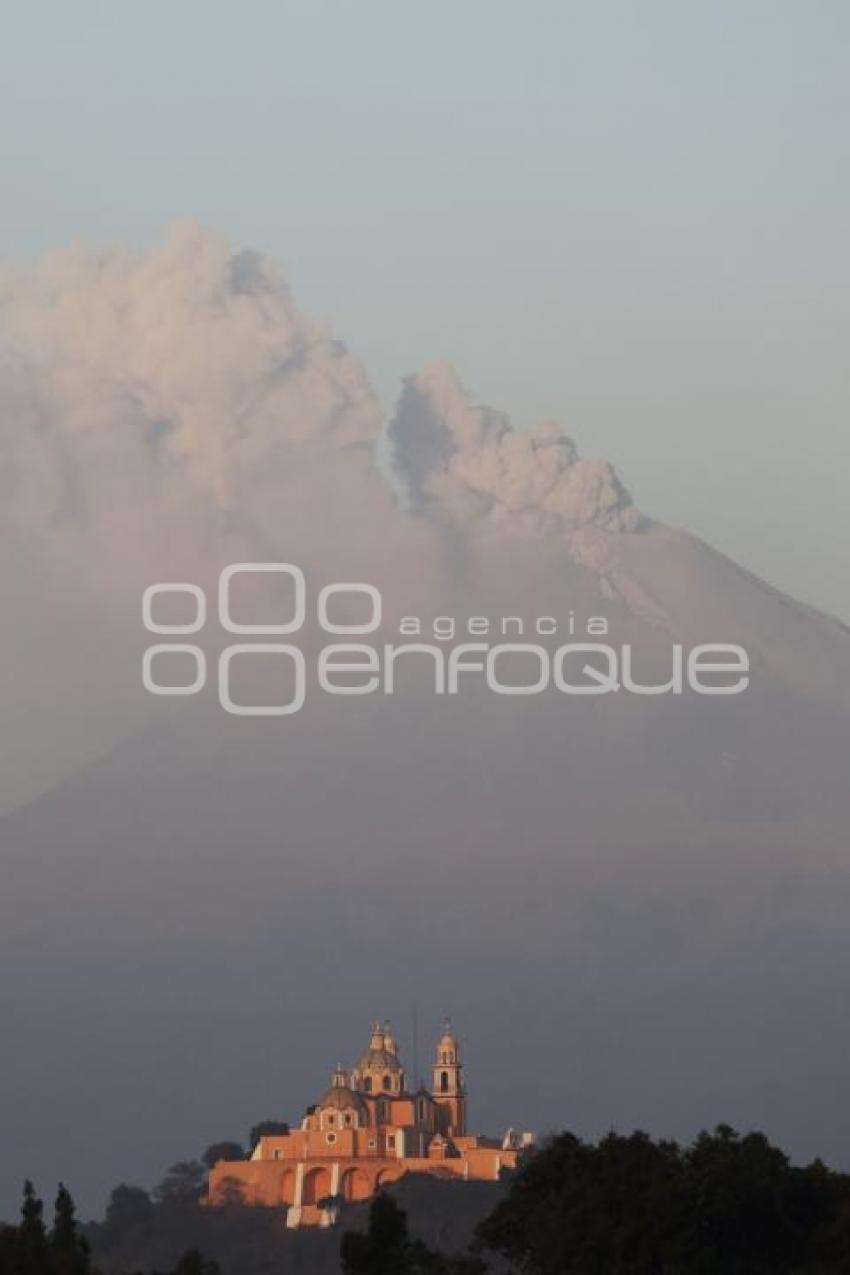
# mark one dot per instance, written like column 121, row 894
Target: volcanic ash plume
column 465, row 464
column 164, row 404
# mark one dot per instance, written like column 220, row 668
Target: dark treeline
column 31, row 1249
column 723, row 1205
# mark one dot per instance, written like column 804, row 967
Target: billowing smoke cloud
column 465, row 463
column 166, row 407
column 170, row 411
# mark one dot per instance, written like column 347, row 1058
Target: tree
column 182, row 1184
column 222, row 1151
column 32, row 1234
column 574, row 1207
column 128, row 1207
column 265, row 1129
column 386, row 1248
column 70, row 1250
column 32, row 1216
column 749, row 1207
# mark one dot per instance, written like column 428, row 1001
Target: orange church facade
column 366, row 1131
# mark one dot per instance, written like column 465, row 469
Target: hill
column 255, row 1241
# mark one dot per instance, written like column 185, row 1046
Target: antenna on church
column 415, row 1025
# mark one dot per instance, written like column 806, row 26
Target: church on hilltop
column 368, row 1129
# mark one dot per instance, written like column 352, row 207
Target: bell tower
column 448, row 1089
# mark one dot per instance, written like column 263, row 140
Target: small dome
column 341, row 1097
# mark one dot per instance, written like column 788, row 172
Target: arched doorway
column 317, row 1186
column 356, row 1185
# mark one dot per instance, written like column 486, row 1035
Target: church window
column 367, row 1084
column 444, row 1082
column 390, row 1140
column 330, row 1138
column 388, row 1082
column 348, row 1117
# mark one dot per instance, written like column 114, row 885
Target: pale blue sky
column 630, row 216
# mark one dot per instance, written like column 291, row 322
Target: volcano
column 634, row 907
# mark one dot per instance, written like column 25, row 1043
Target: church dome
column 379, row 1069
column 341, row 1097
column 379, row 1060
column 382, row 1054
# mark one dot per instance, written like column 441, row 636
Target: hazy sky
column 631, row 217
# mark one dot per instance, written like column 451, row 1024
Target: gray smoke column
column 465, row 464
